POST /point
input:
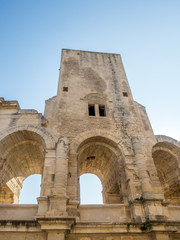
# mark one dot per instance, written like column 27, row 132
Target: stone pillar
column 133, row 185
column 136, row 204
column 47, row 182
column 47, row 175
column 73, row 188
column 60, row 182
column 141, row 166
column 73, row 175
column 58, row 198
column 153, row 208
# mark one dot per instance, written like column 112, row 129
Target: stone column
column 137, row 207
column 141, row 165
column 48, row 171
column 73, row 186
column 47, row 182
column 153, row 208
column 132, row 182
column 60, row 182
column 58, row 199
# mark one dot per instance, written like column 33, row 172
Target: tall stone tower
column 93, row 125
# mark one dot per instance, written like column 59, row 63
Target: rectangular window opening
column 91, row 110
column 102, row 112
column 125, row 94
column 65, row 89
column 53, row 177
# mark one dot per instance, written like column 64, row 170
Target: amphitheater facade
column 93, row 125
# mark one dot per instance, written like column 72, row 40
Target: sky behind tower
column 145, row 33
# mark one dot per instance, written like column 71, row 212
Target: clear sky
column 145, row 33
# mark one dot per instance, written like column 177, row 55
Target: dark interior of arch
column 165, row 157
column 21, row 155
column 100, row 156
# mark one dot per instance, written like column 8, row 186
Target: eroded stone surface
column 93, row 125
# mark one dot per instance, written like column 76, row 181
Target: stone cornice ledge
column 113, row 228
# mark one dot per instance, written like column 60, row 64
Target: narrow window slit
column 53, row 177
column 91, row 158
column 102, row 112
column 91, row 110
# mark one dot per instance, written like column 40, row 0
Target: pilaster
column 58, row 198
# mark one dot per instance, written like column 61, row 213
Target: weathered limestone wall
column 94, row 78
column 18, row 211
column 93, row 125
column 11, row 115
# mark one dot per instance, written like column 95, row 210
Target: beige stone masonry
column 93, row 126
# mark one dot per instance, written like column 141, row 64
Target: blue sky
column 145, row 33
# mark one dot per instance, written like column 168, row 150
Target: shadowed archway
column 166, row 157
column 102, row 157
column 21, row 155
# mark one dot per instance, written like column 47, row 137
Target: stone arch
column 113, row 138
column 163, row 138
column 166, row 155
column 46, row 136
column 22, row 151
column 98, row 153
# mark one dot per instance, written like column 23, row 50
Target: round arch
column 98, row 153
column 46, row 136
column 166, row 156
column 113, row 139
column 22, row 151
column 163, row 138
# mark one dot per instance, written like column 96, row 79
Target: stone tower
column 93, row 125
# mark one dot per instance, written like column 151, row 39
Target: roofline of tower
column 90, row 51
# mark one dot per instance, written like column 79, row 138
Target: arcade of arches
column 22, row 154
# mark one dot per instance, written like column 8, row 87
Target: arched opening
column 166, row 160
column 30, row 189
column 21, row 155
column 102, row 157
column 90, row 189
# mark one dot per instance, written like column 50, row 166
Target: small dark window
column 91, row 110
column 125, row 94
column 91, row 158
column 102, row 112
column 53, row 177
column 65, row 89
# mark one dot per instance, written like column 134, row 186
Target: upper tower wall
column 92, row 72
column 93, row 93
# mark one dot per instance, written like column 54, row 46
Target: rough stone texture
column 139, row 172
